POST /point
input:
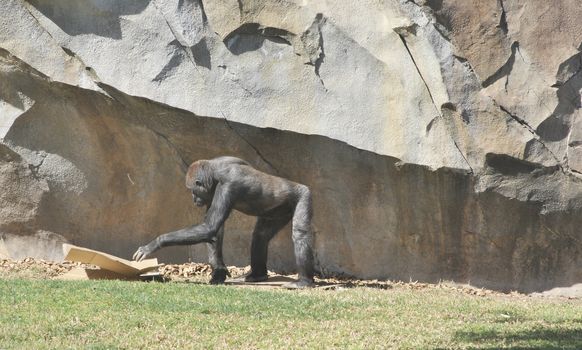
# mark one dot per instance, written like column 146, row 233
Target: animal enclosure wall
column 440, row 139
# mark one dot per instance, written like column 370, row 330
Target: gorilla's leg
column 303, row 239
column 215, row 259
column 265, row 229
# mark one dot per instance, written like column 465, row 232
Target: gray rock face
column 441, row 139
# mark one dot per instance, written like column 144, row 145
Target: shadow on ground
column 544, row 337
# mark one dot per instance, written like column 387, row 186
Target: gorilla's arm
column 219, row 211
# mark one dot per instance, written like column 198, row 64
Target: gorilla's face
column 200, row 180
column 200, row 194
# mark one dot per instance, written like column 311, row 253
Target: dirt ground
column 200, row 273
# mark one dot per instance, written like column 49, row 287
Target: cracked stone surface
column 441, row 138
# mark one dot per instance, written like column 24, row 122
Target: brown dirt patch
column 200, row 273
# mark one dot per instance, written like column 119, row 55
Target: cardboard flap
column 79, row 273
column 107, row 261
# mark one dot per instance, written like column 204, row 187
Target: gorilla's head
column 200, row 181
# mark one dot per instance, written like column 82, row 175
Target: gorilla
column 226, row 183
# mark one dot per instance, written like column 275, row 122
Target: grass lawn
column 37, row 314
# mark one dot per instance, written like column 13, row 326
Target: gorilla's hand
column 142, row 252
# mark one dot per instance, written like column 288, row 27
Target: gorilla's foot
column 300, row 284
column 256, row 278
column 219, row 276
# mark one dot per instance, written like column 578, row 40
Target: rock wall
column 441, row 138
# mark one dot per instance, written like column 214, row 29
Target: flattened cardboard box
column 112, row 267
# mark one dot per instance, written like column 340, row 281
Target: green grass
column 37, row 314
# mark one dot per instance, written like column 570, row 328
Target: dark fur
column 227, row 183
